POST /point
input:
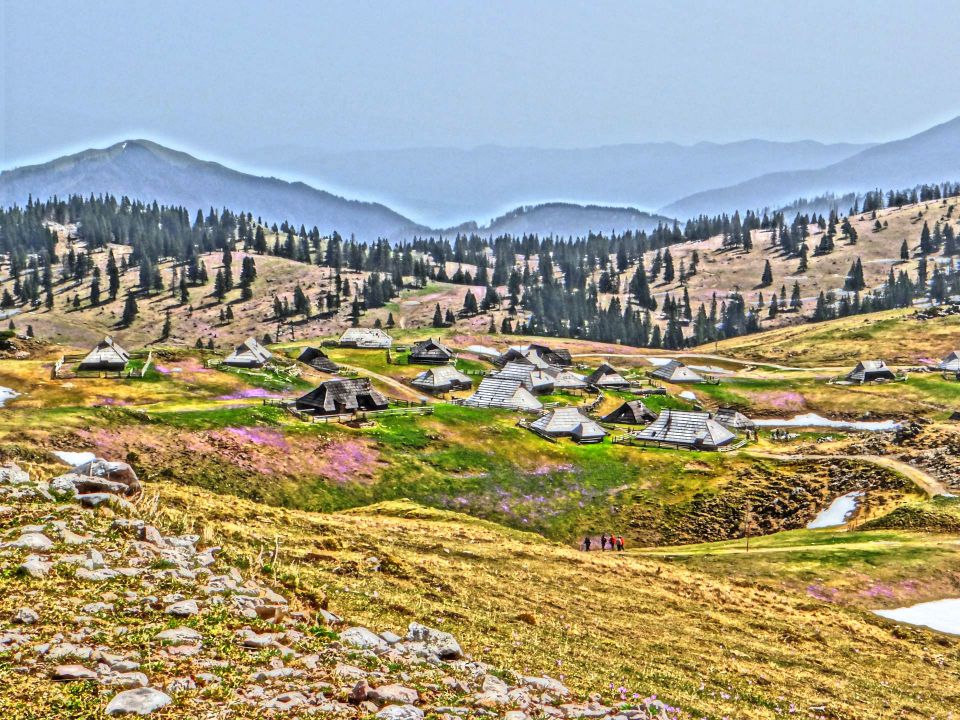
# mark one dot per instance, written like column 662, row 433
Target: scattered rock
column 400, row 712
column 73, row 673
column 183, row 608
column 141, row 701
column 26, row 616
column 360, row 637
column 440, row 643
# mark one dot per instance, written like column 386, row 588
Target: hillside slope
column 932, row 156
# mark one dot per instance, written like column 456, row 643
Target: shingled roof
column 501, row 392
column 676, row 372
column 686, row 429
column 606, row 377
column 534, row 379
column 318, row 360
column 431, row 352
column 374, row 338
column 867, row 370
column 535, row 354
column 249, row 353
column 632, row 412
column 107, row 355
column 733, row 419
column 569, row 422
column 336, row 397
column 950, row 363
column 442, row 379
column 569, row 380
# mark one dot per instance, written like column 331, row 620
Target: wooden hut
column 499, row 392
column 869, row 371
column 107, row 356
column 430, row 352
column 318, row 360
column 950, row 363
column 442, row 379
column 569, row 422
column 569, row 380
column 535, row 354
column 534, row 379
column 734, row 420
column 605, row 377
column 342, row 396
column 676, row 372
column 694, row 430
column 248, row 354
column 632, row 412
column 366, row 338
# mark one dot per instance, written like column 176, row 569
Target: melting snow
column 483, row 350
column 836, row 513
column 687, row 395
column 658, row 362
column 814, row 420
column 7, row 394
column 942, row 615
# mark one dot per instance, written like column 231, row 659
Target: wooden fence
column 398, row 407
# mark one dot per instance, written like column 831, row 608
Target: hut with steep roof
column 342, row 396
column 605, row 377
column 569, row 422
column 500, row 392
column 318, row 360
column 445, row 378
column 676, row 372
column 106, row 356
column 693, row 430
column 248, row 354
column 366, row 338
column 632, row 412
column 869, row 371
column 430, row 352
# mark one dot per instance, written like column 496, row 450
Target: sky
column 223, row 76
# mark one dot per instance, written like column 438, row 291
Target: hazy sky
column 217, row 77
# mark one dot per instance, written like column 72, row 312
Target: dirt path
column 706, row 356
column 804, row 547
column 406, row 393
column 918, row 477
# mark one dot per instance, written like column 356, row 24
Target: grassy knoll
column 718, row 644
column 892, row 335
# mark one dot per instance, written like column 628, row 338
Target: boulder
column 71, row 485
column 35, row 541
column 400, row 712
column 178, row 636
column 26, row 616
column 393, row 694
column 117, row 472
column 13, row 475
column 437, row 642
column 140, row 701
column 183, row 608
column 72, row 673
column 363, row 639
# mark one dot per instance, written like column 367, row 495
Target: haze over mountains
column 564, row 192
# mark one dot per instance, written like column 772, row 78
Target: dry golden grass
column 724, row 644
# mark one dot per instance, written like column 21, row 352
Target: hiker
column 586, row 543
column 603, row 542
column 613, row 542
column 620, row 543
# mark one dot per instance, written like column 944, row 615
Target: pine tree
column 130, row 310
column 766, row 280
column 165, row 332
column 470, row 306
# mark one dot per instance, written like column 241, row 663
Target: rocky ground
column 102, row 614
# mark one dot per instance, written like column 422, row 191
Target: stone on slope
column 140, row 701
column 117, row 472
column 35, row 541
column 393, row 694
column 72, row 673
column 437, row 642
column 35, row 566
column 26, row 616
column 183, row 608
column 400, row 712
column 178, row 636
column 363, row 639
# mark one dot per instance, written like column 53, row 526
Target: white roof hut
column 107, row 355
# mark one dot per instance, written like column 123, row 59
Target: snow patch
column 942, row 615
column 658, row 362
column 836, row 513
column 687, row 395
column 814, row 420
column 483, row 350
column 7, row 394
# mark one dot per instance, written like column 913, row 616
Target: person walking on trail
column 586, row 544
column 613, row 542
column 603, row 542
column 620, row 543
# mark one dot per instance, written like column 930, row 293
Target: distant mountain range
column 148, row 171
column 462, row 186
column 931, row 156
column 443, row 186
